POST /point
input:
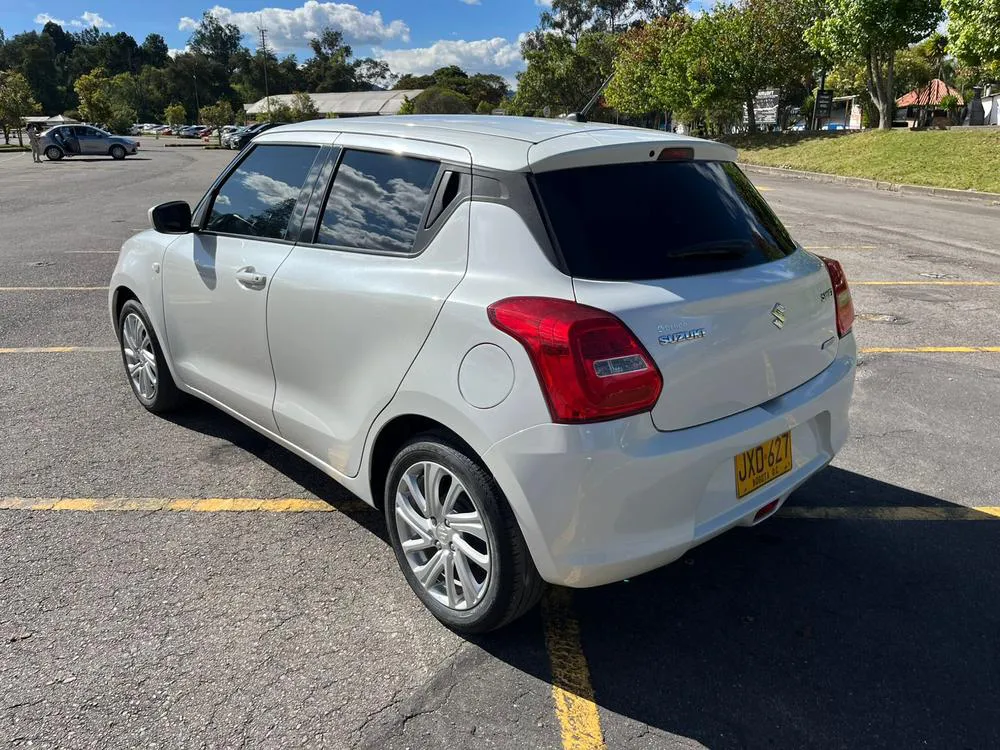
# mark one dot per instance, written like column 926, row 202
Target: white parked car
column 547, row 350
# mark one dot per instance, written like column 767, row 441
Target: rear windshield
column 656, row 220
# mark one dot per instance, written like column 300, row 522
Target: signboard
column 824, row 103
column 765, row 107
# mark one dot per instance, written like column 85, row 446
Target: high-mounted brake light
column 842, row 300
column 589, row 364
column 676, row 154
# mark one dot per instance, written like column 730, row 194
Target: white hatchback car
column 548, row 350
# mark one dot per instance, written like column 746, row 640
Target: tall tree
column 154, row 51
column 16, row 101
column 562, row 75
column 217, row 41
column 872, row 31
column 974, row 33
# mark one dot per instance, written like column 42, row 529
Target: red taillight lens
column 588, row 362
column 841, row 296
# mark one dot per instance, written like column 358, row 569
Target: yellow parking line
column 929, row 282
column 182, row 504
column 903, row 513
column 53, row 289
column 54, row 349
column 930, row 349
column 579, row 722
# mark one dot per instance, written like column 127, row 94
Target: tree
column 438, row 100
column 974, row 33
column 872, row 31
column 154, row 51
column 175, row 115
column 330, row 68
column 217, row 115
column 217, row 41
column 562, row 75
column 16, row 102
column 303, row 107
column 651, row 68
column 478, row 88
column 484, row 108
column 93, row 89
column 576, row 17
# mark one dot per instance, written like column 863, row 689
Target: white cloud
column 290, row 28
column 94, row 19
column 173, row 52
column 43, row 18
column 497, row 55
column 471, row 2
column 88, row 19
column 543, row 3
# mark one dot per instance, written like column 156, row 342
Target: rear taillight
column 842, row 300
column 589, row 364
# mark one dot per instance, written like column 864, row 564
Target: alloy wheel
column 442, row 535
column 140, row 359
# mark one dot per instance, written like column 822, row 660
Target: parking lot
column 187, row 583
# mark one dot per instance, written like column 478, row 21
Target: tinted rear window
column 657, row 220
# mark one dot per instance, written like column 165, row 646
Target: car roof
column 519, row 143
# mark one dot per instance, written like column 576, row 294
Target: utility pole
column 263, row 46
column 197, row 104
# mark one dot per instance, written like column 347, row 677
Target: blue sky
column 413, row 35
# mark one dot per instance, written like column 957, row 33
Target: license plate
column 762, row 464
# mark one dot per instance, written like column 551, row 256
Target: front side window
column 257, row 199
column 376, row 201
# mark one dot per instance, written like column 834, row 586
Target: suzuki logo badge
column 778, row 315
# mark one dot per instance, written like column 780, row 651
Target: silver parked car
column 546, row 350
column 85, row 140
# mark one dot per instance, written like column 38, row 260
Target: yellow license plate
column 762, row 464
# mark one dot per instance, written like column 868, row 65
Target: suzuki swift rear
column 547, row 350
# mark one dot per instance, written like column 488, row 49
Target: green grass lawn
column 13, row 147
column 962, row 159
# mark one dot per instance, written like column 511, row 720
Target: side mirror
column 171, row 218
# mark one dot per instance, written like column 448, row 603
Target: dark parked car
column 245, row 138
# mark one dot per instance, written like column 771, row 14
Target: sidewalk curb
column 893, row 187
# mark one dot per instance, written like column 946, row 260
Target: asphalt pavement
column 865, row 615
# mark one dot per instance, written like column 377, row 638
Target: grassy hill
column 962, row 159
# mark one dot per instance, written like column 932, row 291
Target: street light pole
column 197, row 104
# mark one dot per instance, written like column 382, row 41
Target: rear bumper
column 601, row 502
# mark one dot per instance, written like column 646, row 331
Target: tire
column 53, row 153
column 117, row 152
column 510, row 586
column 153, row 386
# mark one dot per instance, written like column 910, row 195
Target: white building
column 343, row 103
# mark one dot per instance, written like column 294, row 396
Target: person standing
column 36, row 150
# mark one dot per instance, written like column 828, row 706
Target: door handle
column 249, row 278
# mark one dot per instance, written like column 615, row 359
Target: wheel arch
column 393, row 435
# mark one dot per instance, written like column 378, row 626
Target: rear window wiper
column 714, row 250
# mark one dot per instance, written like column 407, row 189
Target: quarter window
column 376, row 201
column 258, row 198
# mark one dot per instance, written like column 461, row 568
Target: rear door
column 384, row 244
column 92, row 141
column 692, row 259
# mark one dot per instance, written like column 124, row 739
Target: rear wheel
column 53, row 153
column 456, row 539
column 145, row 366
column 117, row 152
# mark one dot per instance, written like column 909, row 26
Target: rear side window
column 258, row 198
column 376, row 201
column 657, row 220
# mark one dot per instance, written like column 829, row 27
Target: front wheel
column 456, row 538
column 53, row 153
column 145, row 366
column 117, row 153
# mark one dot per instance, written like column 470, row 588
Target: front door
column 91, row 141
column 216, row 280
